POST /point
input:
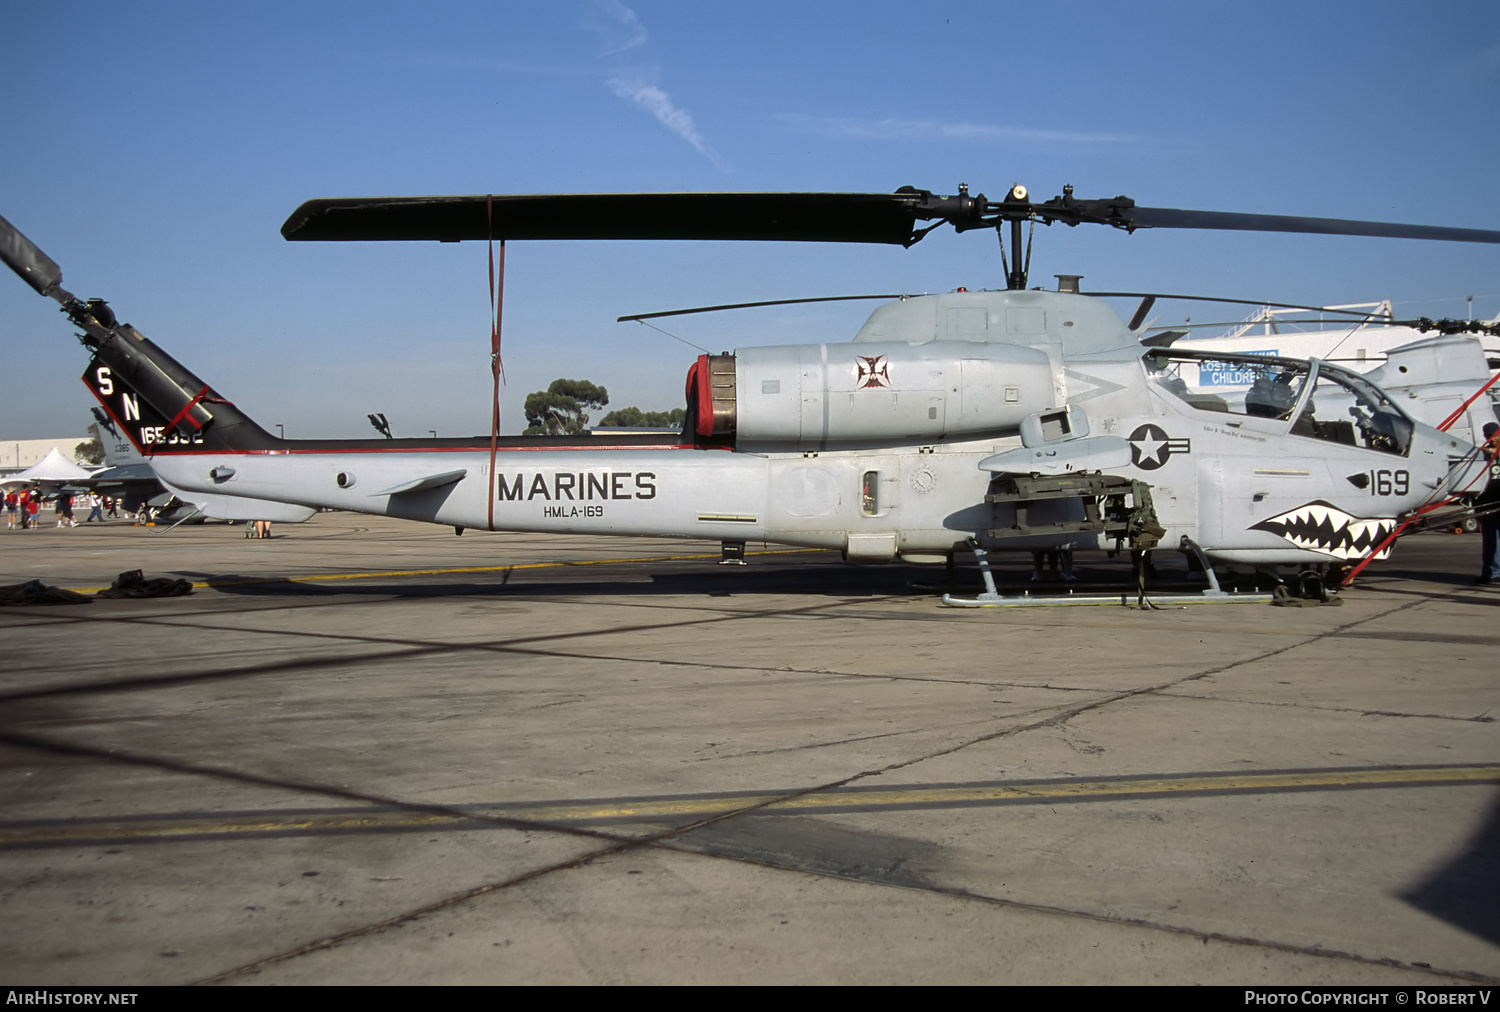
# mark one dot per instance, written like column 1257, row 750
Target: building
column 16, row 455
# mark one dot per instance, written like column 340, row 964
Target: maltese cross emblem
column 874, row 371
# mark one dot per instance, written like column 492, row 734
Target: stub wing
column 1093, row 453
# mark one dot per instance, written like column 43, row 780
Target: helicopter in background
column 898, row 444
column 1433, row 376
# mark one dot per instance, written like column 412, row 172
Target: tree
column 635, row 417
column 91, row 452
column 563, row 407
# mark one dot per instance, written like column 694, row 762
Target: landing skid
column 992, row 598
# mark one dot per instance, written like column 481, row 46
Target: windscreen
column 1320, row 401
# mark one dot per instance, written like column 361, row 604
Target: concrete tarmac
column 372, row 752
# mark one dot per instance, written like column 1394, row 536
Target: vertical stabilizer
column 157, row 404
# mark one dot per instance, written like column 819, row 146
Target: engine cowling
column 817, row 395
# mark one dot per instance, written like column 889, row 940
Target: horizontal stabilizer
column 119, row 473
column 233, row 507
column 423, row 484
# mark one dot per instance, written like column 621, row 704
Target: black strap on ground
column 35, row 592
column 135, row 584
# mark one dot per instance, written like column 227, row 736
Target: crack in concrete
column 1482, row 718
column 615, row 843
column 1120, row 921
column 414, row 648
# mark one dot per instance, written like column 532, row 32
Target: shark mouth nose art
column 1323, row 527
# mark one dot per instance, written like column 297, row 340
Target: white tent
column 53, row 467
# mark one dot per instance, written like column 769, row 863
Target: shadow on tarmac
column 817, row 576
column 837, row 580
column 1466, row 891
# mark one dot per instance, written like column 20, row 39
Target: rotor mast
column 1016, row 279
column 966, row 212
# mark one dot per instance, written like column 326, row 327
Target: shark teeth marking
column 1323, row 527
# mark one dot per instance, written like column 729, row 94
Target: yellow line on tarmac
column 646, row 809
column 270, row 823
column 1247, row 783
column 317, row 577
column 967, row 794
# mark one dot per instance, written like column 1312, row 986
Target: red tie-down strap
column 497, row 366
column 202, row 395
column 1447, row 423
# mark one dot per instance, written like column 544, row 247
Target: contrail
column 633, row 88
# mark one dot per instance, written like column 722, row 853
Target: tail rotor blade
column 23, row 256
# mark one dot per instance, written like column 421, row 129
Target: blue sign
column 1231, row 374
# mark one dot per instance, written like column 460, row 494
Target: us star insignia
column 1151, row 447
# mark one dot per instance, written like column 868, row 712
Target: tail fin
column 157, row 404
column 118, row 450
column 150, row 397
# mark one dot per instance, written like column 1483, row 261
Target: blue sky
column 154, row 149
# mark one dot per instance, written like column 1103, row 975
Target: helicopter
column 968, row 421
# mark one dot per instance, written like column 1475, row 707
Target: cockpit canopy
column 1311, row 398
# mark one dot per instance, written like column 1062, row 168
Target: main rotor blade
column 816, row 217
column 24, row 257
column 791, row 217
column 1238, row 302
column 753, row 305
column 911, row 295
column 1171, row 217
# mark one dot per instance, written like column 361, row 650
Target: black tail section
column 162, row 408
column 159, row 405
column 126, row 414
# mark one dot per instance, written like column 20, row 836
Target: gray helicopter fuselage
column 1016, row 419
column 886, row 446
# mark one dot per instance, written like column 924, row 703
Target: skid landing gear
column 992, row 598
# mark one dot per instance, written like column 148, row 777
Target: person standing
column 1054, row 557
column 33, row 507
column 12, row 507
column 64, row 506
column 96, row 508
column 1489, row 500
